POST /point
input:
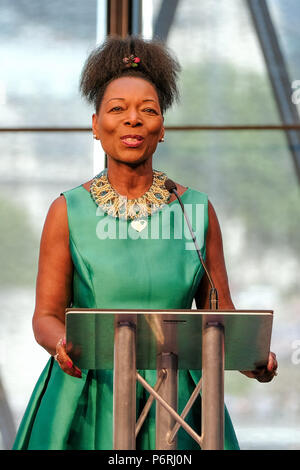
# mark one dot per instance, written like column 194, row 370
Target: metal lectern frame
column 164, row 327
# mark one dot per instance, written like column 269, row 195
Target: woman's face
column 129, row 123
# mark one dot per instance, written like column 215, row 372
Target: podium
column 167, row 341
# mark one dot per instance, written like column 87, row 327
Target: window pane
column 224, row 78
column 43, row 46
column 285, row 15
column 34, row 169
column 249, row 178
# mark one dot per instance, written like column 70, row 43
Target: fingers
column 265, row 373
column 65, row 362
column 272, row 364
column 249, row 373
column 268, row 372
column 266, row 376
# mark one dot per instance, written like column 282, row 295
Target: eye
column 151, row 110
column 116, row 108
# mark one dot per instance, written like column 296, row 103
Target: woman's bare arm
column 215, row 263
column 54, row 283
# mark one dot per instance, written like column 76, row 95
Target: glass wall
column 249, row 175
column 250, row 179
column 43, row 46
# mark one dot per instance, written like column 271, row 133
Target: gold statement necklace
column 116, row 205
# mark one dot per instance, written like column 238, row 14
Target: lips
column 132, row 140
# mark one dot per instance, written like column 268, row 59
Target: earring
column 94, row 136
column 162, row 139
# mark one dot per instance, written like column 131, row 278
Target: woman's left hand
column 265, row 373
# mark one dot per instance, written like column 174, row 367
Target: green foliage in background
column 18, row 246
column 248, row 175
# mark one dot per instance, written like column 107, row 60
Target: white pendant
column 139, row 225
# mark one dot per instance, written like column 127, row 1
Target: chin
column 131, row 160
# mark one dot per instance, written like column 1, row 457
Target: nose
column 133, row 119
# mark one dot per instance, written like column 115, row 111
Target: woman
column 131, row 83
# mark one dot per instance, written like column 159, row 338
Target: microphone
column 213, row 294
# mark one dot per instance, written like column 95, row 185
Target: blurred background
column 234, row 135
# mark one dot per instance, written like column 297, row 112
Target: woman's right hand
column 64, row 361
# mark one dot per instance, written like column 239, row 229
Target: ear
column 162, row 135
column 95, row 125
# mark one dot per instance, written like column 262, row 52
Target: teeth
column 131, row 140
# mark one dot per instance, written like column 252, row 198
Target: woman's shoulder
column 58, row 208
column 194, row 195
column 78, row 188
column 76, row 195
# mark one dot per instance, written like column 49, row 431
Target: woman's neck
column 130, row 181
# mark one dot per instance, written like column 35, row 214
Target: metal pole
column 170, row 410
column 186, row 410
column 278, row 73
column 168, row 392
column 165, row 19
column 212, row 386
column 124, row 405
column 150, row 400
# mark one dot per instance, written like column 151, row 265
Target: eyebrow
column 123, row 99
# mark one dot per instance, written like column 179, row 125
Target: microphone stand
column 213, row 359
column 213, row 293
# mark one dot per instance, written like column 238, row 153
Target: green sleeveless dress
column 116, row 266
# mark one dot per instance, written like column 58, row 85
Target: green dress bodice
column 116, row 266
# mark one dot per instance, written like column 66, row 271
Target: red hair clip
column 131, row 61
